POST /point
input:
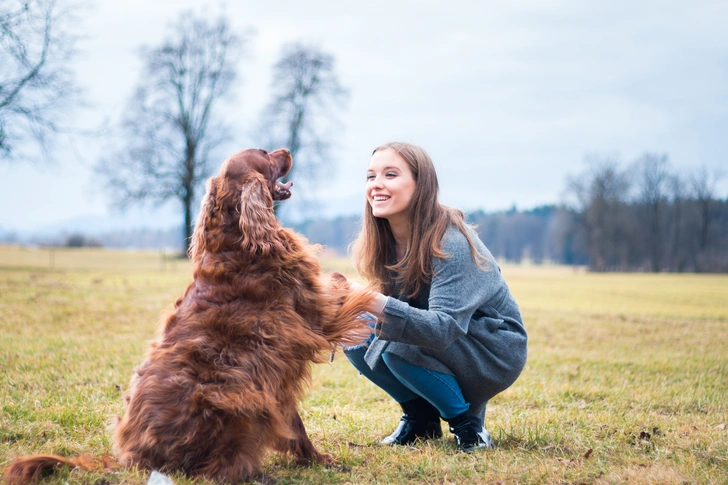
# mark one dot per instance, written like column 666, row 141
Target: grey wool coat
column 466, row 323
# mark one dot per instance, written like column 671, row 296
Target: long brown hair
column 374, row 250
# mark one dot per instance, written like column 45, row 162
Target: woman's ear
column 258, row 224
column 198, row 241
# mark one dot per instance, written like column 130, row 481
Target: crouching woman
column 449, row 334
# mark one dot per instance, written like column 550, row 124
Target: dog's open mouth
column 282, row 191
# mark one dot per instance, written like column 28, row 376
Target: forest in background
column 613, row 240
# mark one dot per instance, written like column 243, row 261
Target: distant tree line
column 646, row 217
column 613, row 223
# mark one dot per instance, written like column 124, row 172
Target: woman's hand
column 380, row 299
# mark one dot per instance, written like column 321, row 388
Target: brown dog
column 221, row 384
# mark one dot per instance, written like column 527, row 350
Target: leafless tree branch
column 171, row 126
column 36, row 42
column 307, row 97
column 652, row 178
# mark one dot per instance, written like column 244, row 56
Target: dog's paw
column 265, row 479
column 325, row 459
column 319, row 458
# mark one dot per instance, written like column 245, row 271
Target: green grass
column 627, row 378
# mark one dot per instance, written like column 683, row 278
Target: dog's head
column 272, row 166
column 238, row 206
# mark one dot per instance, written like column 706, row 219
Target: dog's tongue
column 283, row 191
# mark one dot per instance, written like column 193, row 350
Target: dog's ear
column 258, row 224
column 198, row 241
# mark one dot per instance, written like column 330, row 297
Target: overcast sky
column 506, row 96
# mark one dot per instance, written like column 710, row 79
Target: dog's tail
column 24, row 471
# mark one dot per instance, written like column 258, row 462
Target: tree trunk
column 188, row 223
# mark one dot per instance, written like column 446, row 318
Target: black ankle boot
column 420, row 420
column 469, row 433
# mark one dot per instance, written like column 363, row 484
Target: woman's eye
column 391, row 174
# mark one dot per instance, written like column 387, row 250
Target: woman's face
column 390, row 186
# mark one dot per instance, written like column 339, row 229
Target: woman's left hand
column 380, row 299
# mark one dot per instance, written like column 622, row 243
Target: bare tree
column 172, row 124
column 306, row 98
column 600, row 193
column 652, row 178
column 703, row 183
column 678, row 256
column 36, row 87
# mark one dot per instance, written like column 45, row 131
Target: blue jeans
column 404, row 382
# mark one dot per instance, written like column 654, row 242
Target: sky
column 508, row 97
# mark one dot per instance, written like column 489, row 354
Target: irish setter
column 220, row 386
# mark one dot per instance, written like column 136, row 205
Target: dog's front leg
column 301, row 446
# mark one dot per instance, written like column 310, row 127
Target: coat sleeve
column 458, row 288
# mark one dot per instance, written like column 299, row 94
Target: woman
column 449, row 334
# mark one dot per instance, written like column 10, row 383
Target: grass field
column 627, row 378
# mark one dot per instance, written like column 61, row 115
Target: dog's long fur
column 221, row 384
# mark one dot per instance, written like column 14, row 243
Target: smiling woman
column 449, row 335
